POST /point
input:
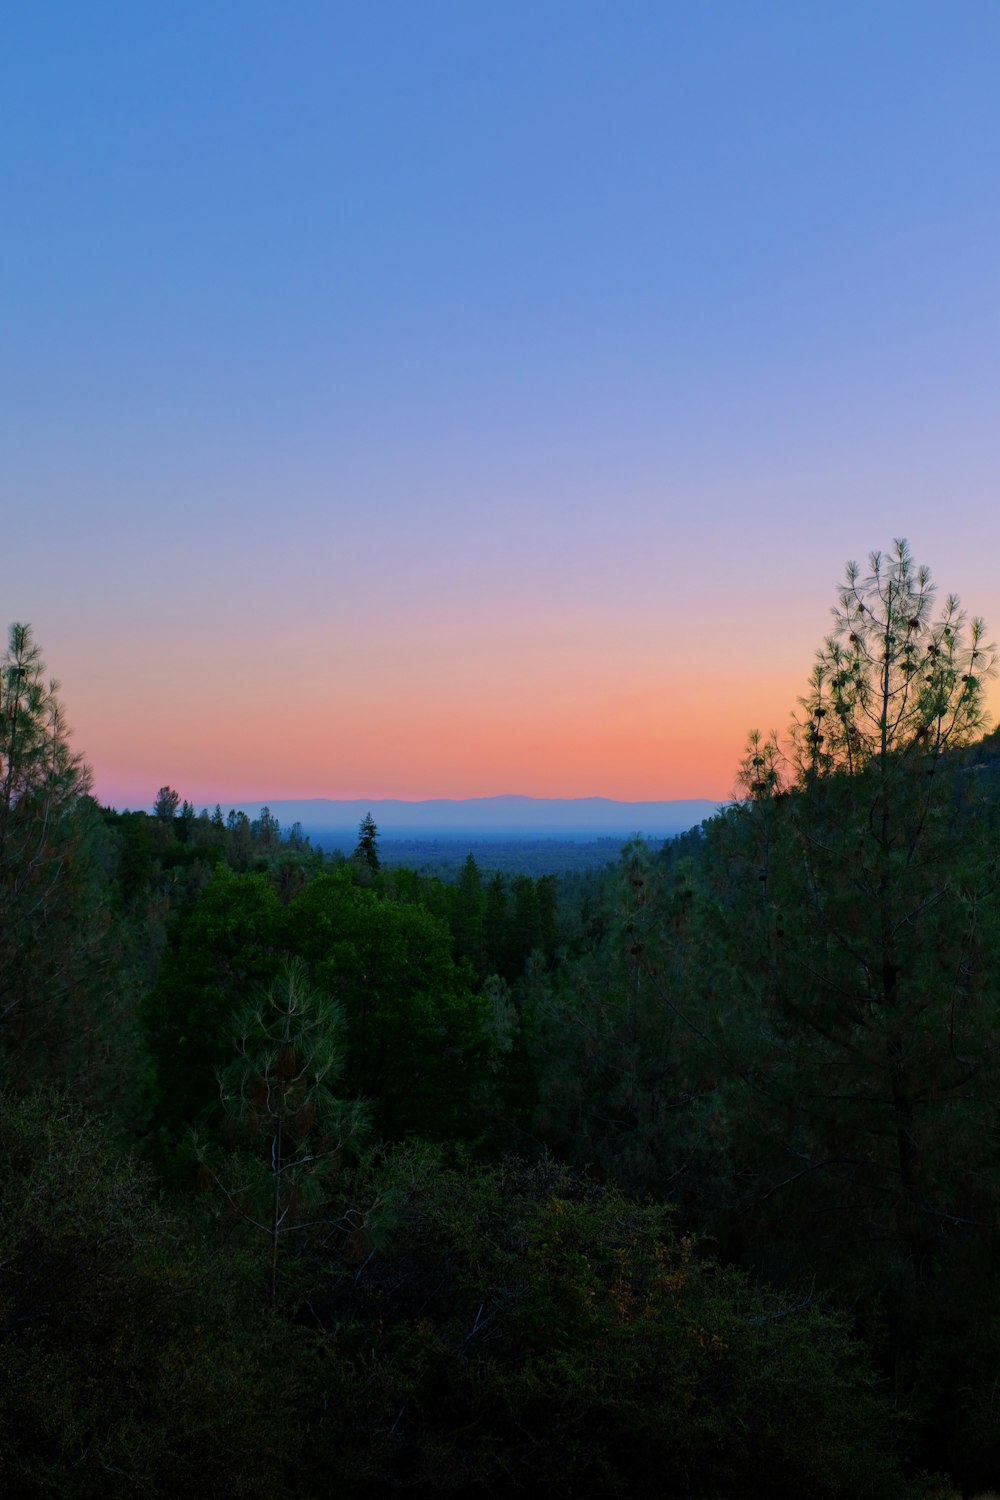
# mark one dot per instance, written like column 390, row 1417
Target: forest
column 675, row 1178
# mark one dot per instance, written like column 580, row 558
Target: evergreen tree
column 871, row 925
column 495, row 926
column 266, row 831
column 467, row 916
column 50, row 922
column 366, row 852
column 524, row 926
column 167, row 803
column 615, row 1091
column 184, row 822
column 278, row 1095
column 240, row 843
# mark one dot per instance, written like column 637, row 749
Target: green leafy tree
column 519, row 1329
column 224, row 946
column 417, row 1038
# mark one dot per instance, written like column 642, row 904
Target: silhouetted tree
column 167, row 803
column 871, row 874
column 266, row 831
column 367, row 849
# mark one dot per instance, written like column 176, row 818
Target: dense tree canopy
column 225, row 946
column 746, row 1245
column 416, row 1034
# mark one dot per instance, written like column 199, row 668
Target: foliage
column 167, row 803
column 55, row 966
column 415, row 1035
column 131, row 1361
column 289, row 1131
column 785, row 1023
column 893, row 682
column 367, row 851
column 225, row 945
column 519, row 1329
column 871, row 930
column 614, row 1079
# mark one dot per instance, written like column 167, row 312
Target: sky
column 459, row 397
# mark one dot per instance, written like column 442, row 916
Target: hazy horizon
column 497, row 811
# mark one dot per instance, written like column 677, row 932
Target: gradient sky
column 447, row 399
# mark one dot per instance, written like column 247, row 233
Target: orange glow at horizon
column 635, row 741
column 645, row 740
column 640, row 699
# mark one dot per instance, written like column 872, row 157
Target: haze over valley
column 506, row 817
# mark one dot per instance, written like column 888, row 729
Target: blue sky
column 483, row 376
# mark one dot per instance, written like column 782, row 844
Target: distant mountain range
column 508, row 817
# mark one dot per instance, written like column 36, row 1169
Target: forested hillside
column 321, row 1175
